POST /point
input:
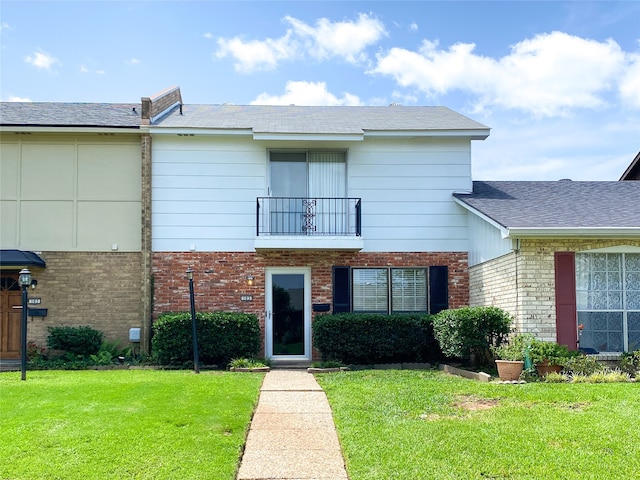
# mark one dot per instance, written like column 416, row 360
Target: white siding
column 406, row 189
column 485, row 241
column 204, row 191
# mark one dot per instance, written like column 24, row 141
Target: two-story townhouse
column 290, row 212
column 70, row 211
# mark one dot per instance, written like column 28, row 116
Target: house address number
column 34, row 301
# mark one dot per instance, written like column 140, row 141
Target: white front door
column 288, row 315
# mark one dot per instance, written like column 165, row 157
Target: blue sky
column 557, row 82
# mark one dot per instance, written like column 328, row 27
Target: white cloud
column 208, row 35
column 13, row 98
column 132, row 61
column 256, row 55
column 547, row 75
column 84, row 69
column 306, row 93
column 347, row 40
column 630, row 83
column 413, row 27
column 41, row 60
column 5, row 26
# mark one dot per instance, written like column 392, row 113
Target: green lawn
column 427, row 425
column 124, row 424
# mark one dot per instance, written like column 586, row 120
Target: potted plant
column 509, row 357
column 548, row 356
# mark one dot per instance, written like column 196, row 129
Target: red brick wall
column 220, row 278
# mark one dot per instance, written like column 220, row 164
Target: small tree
column 471, row 332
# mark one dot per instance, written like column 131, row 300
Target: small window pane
column 602, row 331
column 409, row 290
column 370, row 290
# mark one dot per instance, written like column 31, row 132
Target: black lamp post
column 196, row 365
column 25, row 281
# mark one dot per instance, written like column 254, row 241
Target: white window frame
column 583, row 291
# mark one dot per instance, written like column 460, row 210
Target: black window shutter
column 341, row 289
column 438, row 289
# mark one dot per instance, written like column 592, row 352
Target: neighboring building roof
column 633, row 171
column 350, row 120
column 52, row 114
column 556, row 208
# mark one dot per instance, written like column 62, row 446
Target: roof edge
column 555, row 232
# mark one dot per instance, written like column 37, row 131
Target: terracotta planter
column 509, row 370
column 544, row 368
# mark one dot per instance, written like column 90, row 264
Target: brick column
column 146, row 283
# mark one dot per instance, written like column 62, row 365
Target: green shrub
column 551, row 352
column 470, row 332
column 630, row 362
column 360, row 338
column 83, row 341
column 583, row 365
column 222, row 336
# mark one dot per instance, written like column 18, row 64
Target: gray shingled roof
column 50, row 114
column 329, row 120
column 561, row 204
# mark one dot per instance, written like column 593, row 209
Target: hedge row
column 222, row 336
column 356, row 338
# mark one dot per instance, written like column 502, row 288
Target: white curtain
column 327, row 181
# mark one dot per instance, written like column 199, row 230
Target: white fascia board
column 503, row 230
column 190, row 132
column 479, row 134
column 555, row 232
column 340, row 137
column 27, row 129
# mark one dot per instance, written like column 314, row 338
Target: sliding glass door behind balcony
column 307, row 193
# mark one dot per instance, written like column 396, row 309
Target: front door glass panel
column 288, row 332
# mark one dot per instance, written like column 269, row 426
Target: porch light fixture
column 24, row 279
column 192, row 302
column 250, row 279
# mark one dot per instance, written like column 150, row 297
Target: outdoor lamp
column 249, row 279
column 190, row 273
column 25, row 277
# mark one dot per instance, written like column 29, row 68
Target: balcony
column 308, row 223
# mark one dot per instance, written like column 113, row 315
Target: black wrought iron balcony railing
column 308, row 216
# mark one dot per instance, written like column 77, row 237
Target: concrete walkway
column 292, row 434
